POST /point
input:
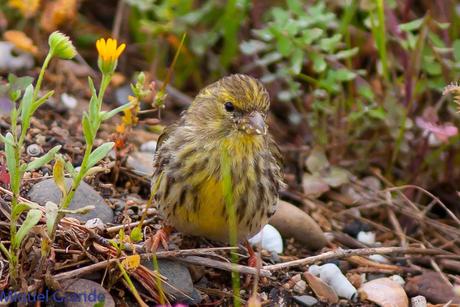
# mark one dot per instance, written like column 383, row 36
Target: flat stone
column 305, row 300
column 85, row 195
column 84, row 293
column 141, row 163
column 179, row 281
column 432, row 287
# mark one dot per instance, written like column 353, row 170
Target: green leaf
column 5, row 140
column 39, row 162
column 412, row 25
column 10, row 156
column 284, row 45
column 109, row 114
column 33, row 217
column 41, row 101
column 329, row 44
column 311, row 35
column 82, row 210
column 344, row 75
column 18, row 210
column 87, row 129
column 69, row 168
column 91, row 87
column 378, row 113
column 93, row 110
column 319, row 64
column 99, row 153
column 51, row 212
column 297, row 61
column 58, row 175
column 136, row 234
column 26, row 106
column 19, row 84
column 344, row 54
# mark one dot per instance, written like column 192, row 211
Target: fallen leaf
column 322, row 290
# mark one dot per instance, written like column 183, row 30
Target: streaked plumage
column 226, row 115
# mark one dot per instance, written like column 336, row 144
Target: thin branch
column 344, row 253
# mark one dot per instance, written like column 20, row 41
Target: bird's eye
column 229, row 106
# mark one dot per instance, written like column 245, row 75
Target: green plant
column 20, row 116
column 92, row 119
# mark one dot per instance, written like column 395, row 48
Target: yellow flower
column 28, row 8
column 108, row 51
column 108, row 54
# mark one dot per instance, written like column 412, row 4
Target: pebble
column 300, row 286
column 141, row 163
column 87, row 287
column 85, row 195
column 269, row 239
column 10, row 62
column 69, row 101
column 305, row 300
column 149, row 146
column 433, row 287
column 178, row 275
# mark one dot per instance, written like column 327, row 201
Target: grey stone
column 85, row 195
column 179, row 281
column 141, row 163
column 88, row 293
column 305, row 300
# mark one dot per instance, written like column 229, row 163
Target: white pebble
column 269, row 238
column 379, row 258
column 366, row 237
column 69, row 101
column 331, row 275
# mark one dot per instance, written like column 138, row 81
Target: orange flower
column 108, row 51
column 21, row 41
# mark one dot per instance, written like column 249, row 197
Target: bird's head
column 237, row 104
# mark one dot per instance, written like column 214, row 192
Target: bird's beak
column 257, row 123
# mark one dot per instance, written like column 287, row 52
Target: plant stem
column 48, row 58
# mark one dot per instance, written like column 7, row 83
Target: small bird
column 227, row 117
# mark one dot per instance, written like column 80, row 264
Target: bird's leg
column 252, row 260
column 161, row 236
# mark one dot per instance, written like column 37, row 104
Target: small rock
column 141, row 163
column 269, row 239
column 418, row 301
column 292, row 222
column 398, row 279
column 85, row 292
column 384, row 292
column 305, row 300
column 122, row 93
column 11, row 61
column 366, row 237
column 179, row 282
column 433, row 287
column 85, row 195
column 149, row 146
column 69, row 101
column 300, row 286
column 331, row 275
column 95, row 223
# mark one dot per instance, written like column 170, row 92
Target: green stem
column 48, row 58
